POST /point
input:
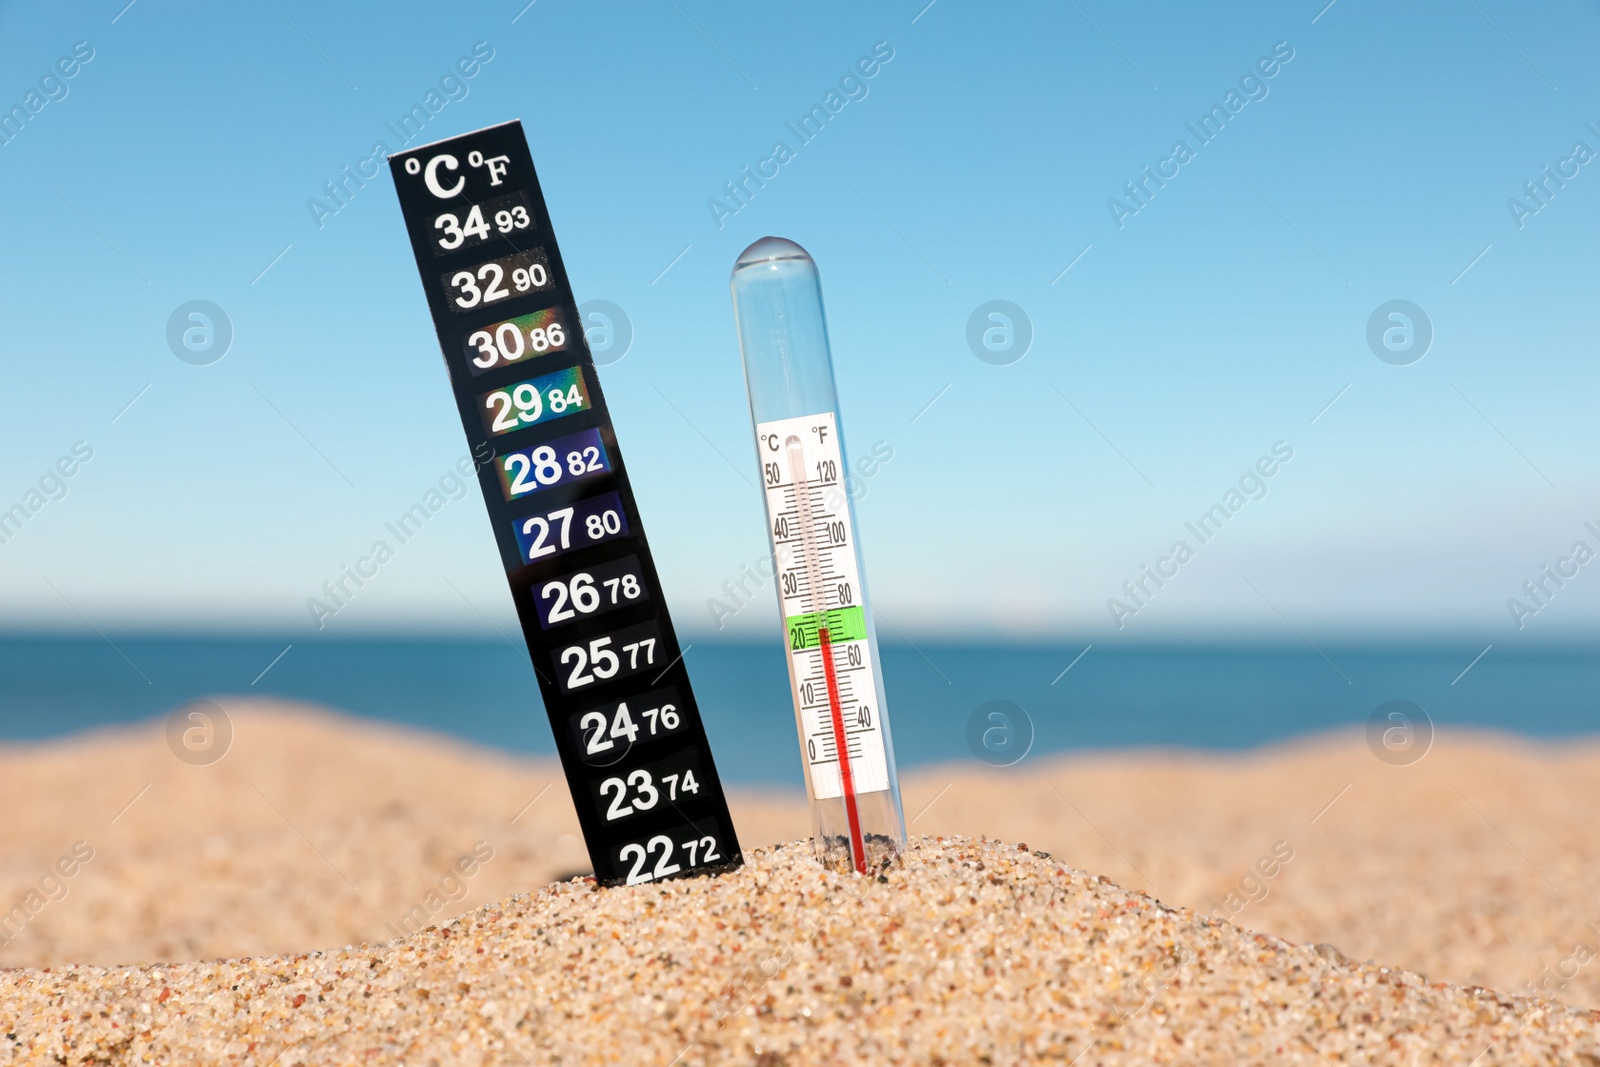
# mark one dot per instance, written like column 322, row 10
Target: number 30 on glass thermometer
column 834, row 675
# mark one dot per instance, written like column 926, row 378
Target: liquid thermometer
column 834, row 674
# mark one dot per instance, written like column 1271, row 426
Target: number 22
column 641, row 852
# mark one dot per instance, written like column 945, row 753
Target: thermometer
column 581, row 576
column 834, row 674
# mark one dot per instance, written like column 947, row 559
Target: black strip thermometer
column 585, row 588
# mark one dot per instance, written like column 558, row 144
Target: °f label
column 819, row 589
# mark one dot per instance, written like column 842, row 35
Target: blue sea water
column 1210, row 697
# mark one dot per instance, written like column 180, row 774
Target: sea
column 944, row 697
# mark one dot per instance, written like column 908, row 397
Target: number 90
column 534, row 277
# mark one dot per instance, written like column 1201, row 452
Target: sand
column 1474, row 867
column 972, row 952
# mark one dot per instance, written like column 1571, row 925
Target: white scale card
column 819, row 589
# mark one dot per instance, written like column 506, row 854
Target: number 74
column 675, row 785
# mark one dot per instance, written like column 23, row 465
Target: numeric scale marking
column 582, row 578
column 820, row 589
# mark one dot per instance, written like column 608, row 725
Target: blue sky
column 976, row 164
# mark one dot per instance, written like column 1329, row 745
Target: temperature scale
column 834, row 674
column 602, row 645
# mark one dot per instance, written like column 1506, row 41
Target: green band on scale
column 844, row 624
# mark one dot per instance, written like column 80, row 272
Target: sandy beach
column 324, row 847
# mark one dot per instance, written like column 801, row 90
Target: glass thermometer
column 834, row 674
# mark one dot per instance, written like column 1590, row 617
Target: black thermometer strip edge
column 609, row 665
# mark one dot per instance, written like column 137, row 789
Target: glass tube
column 835, row 677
